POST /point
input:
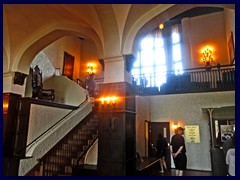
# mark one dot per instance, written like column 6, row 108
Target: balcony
column 218, row 78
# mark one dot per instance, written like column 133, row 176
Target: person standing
column 228, row 144
column 91, row 85
column 178, row 151
column 230, row 158
column 161, row 151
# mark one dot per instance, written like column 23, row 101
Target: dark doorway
column 153, row 130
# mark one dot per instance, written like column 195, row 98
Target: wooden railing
column 218, row 78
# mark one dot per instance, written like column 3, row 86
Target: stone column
column 115, row 70
column 117, row 130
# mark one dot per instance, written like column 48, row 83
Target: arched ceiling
column 112, row 27
column 170, row 13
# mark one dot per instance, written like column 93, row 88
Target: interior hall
column 89, row 88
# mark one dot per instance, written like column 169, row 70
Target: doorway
column 154, row 128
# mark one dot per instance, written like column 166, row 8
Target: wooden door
column 154, row 129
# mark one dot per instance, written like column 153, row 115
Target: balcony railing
column 218, row 78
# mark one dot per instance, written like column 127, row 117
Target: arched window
column 158, row 54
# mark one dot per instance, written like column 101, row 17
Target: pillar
column 10, row 117
column 117, row 131
column 115, row 70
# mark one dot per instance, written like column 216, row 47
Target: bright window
column 151, row 63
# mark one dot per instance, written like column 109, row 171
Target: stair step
column 62, row 152
column 68, row 169
column 58, row 169
column 84, row 131
column 82, row 136
column 89, row 127
column 64, row 160
column 77, row 141
column 93, row 123
column 61, row 160
column 71, row 147
column 37, row 173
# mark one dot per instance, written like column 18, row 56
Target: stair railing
column 84, row 153
column 48, row 164
column 18, row 154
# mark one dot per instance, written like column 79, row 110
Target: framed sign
column 192, row 134
column 68, row 65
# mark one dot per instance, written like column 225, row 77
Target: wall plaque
column 192, row 134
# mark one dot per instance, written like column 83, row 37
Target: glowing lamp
column 91, row 68
column 161, row 26
column 207, row 56
column 108, row 100
column 175, row 125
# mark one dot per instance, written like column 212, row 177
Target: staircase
column 62, row 157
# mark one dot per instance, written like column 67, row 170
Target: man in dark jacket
column 178, row 150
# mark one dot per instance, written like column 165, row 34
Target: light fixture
column 175, row 125
column 207, row 56
column 91, row 68
column 5, row 103
column 161, row 26
column 108, row 100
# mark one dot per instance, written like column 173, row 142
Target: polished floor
column 91, row 170
column 171, row 172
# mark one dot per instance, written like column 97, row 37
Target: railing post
column 42, row 167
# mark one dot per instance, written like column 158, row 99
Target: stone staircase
column 62, row 157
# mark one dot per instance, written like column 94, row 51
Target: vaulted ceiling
column 26, row 25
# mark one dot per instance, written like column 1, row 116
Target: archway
column 30, row 51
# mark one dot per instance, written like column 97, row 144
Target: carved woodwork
column 19, row 78
column 130, row 59
column 37, row 85
column 101, row 61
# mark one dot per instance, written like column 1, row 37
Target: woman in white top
column 230, row 158
column 230, row 161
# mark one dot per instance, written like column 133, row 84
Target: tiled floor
column 171, row 172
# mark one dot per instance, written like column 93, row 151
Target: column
column 115, row 70
column 117, row 131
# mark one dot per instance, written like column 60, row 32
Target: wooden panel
column 10, row 122
column 130, row 127
column 117, row 141
column 111, row 151
column 111, row 169
column 10, row 166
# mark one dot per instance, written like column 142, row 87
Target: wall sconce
column 108, row 100
column 161, row 26
column 5, row 103
column 91, row 68
column 175, row 125
column 207, row 56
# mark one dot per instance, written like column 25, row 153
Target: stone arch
column 28, row 52
column 110, row 29
column 148, row 23
column 6, row 44
column 5, row 61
